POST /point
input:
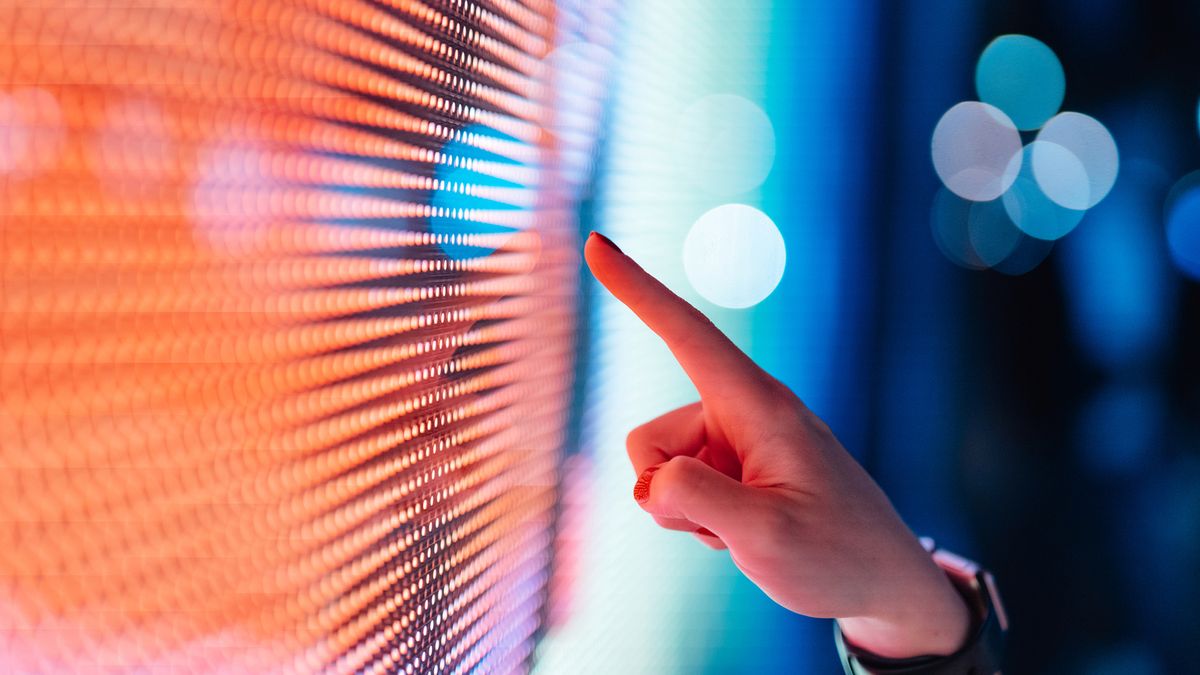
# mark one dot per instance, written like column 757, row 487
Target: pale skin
column 749, row 468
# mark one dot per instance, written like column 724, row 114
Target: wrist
column 918, row 614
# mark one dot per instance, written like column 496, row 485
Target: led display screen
column 287, row 313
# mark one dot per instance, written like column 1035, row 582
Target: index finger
column 715, row 365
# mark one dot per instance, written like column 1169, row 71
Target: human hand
column 751, row 469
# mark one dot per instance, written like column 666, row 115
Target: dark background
column 1057, row 411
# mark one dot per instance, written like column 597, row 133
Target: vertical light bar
column 646, row 600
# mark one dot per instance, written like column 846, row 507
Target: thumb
column 685, row 488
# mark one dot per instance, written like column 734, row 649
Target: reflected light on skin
column 1021, row 76
column 734, row 256
column 976, row 151
column 1090, row 145
column 725, row 145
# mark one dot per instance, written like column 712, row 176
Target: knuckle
column 773, row 527
column 784, row 398
column 640, row 446
column 635, row 439
column 671, row 475
column 776, row 524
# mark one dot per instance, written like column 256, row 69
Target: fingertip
column 641, row 489
column 596, row 249
column 596, row 236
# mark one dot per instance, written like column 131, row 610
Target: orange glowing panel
column 286, row 319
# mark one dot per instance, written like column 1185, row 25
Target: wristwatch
column 982, row 653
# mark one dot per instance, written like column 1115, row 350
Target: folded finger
column 679, row 432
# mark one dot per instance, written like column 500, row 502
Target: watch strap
column 980, row 655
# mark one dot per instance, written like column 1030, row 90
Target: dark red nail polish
column 706, row 532
column 607, row 241
column 641, row 489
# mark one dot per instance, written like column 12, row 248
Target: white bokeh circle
column 1030, row 208
column 725, row 145
column 976, row 151
column 1095, row 151
column 734, row 256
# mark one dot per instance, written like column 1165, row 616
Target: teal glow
column 459, row 209
column 990, row 233
column 1021, row 76
column 1032, row 211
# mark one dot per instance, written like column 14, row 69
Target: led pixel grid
column 269, row 400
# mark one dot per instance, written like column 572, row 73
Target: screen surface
column 287, row 313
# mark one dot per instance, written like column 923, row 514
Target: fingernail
column 607, row 241
column 641, row 489
column 706, row 532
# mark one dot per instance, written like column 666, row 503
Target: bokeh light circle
column 1183, row 230
column 990, row 233
column 1093, row 147
column 1029, row 207
column 734, row 256
column 949, row 219
column 980, row 235
column 976, row 151
column 725, row 145
column 1060, row 175
column 1021, row 76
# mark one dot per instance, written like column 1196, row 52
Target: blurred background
column 1039, row 416
column 301, row 370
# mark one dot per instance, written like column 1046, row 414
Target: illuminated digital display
column 286, row 315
